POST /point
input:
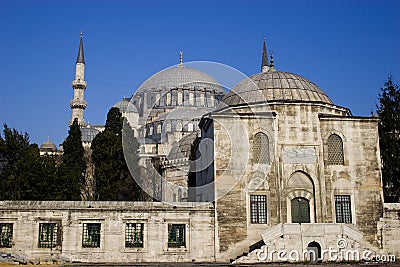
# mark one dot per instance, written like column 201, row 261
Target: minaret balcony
column 77, row 103
column 79, row 84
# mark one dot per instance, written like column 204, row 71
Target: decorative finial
column 180, row 59
column 81, row 33
column 264, row 63
column 272, row 65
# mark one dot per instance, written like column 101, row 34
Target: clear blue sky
column 348, row 48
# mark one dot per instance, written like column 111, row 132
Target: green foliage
column 388, row 111
column 114, row 121
column 113, row 179
column 71, row 172
column 14, row 150
column 24, row 175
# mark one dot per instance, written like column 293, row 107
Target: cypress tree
column 113, row 179
column 71, row 172
column 388, row 111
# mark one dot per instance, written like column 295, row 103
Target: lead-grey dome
column 275, row 86
column 126, row 106
column 180, row 77
column 88, row 134
column 48, row 146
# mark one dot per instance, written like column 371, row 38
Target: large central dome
column 275, row 86
column 170, row 97
column 180, row 77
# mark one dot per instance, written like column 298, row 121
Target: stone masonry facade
column 107, row 231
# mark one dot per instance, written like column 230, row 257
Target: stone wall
column 360, row 175
column 389, row 229
column 112, row 216
column 297, row 134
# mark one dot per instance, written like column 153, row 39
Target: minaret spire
column 265, row 64
column 78, row 104
column 81, row 57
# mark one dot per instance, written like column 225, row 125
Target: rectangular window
column 176, row 235
column 49, row 235
column 91, row 235
column 258, row 209
column 6, row 234
column 134, row 235
column 343, row 208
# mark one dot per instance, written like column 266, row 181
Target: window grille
column 343, row 208
column 49, row 236
column 335, row 150
column 91, row 235
column 261, row 148
column 6, row 234
column 258, row 209
column 176, row 235
column 134, row 235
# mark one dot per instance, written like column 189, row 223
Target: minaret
column 78, row 104
column 264, row 63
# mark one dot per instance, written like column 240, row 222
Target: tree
column 24, row 175
column 113, row 179
column 388, row 111
column 14, row 150
column 131, row 153
column 71, row 172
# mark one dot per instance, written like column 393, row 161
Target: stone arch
column 300, row 186
column 315, row 249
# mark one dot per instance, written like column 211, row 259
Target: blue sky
column 348, row 48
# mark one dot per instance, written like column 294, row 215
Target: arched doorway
column 314, row 253
column 300, row 198
column 300, row 210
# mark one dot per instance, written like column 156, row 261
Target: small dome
column 88, row 133
column 48, row 146
column 182, row 148
column 275, row 86
column 180, row 77
column 125, row 106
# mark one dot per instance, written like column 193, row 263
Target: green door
column 300, row 210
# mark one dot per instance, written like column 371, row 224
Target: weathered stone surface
column 26, row 216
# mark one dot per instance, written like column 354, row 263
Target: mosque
column 281, row 173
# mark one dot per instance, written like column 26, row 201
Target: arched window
column 169, row 127
column 261, row 148
column 190, row 127
column 335, row 150
column 191, row 99
column 169, row 96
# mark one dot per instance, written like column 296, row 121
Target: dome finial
column 272, row 65
column 180, row 59
column 264, row 64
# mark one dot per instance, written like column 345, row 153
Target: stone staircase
column 297, row 237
